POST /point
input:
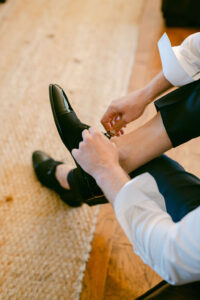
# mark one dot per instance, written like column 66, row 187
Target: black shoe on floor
column 79, row 193
column 45, row 168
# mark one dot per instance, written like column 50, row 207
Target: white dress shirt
column 171, row 249
column 181, row 64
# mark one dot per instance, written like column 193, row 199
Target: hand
column 96, row 153
column 122, row 111
column 98, row 156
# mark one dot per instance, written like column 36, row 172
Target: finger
column 85, row 133
column 117, row 118
column 121, row 131
column 107, row 124
column 75, row 153
column 118, row 125
column 92, row 130
column 95, row 132
column 81, row 145
column 113, row 123
column 116, row 121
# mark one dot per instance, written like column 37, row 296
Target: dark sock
column 85, row 187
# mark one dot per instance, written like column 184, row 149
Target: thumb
column 119, row 123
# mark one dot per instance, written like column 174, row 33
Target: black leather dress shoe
column 70, row 129
column 69, row 126
column 44, row 167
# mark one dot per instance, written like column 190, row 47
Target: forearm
column 155, row 87
column 143, row 144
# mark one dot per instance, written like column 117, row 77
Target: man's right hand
column 122, row 111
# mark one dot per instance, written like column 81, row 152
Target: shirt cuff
column 172, row 68
column 136, row 196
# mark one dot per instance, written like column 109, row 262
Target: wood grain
column 124, row 274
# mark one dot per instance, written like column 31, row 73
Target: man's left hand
column 96, row 153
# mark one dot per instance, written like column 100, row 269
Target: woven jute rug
column 86, row 46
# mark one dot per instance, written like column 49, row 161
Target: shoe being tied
column 70, row 129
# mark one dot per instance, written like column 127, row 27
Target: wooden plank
column 127, row 276
column 97, row 266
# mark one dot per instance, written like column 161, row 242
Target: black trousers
column 180, row 112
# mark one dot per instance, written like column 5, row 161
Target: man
column 159, row 208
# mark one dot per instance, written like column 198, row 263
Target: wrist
column 147, row 94
column 111, row 179
column 155, row 87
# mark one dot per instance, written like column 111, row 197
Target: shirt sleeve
column 171, row 249
column 181, row 64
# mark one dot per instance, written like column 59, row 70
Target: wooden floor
column 29, row 43
column 113, row 270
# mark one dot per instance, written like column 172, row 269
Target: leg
column 176, row 122
column 61, row 174
column 162, row 132
column 143, row 144
column 180, row 189
column 152, row 139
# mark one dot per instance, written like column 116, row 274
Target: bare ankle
column 122, row 150
column 61, row 175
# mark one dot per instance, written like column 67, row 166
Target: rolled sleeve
column 171, row 249
column 181, row 64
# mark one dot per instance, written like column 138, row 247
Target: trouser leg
column 180, row 112
column 180, row 189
